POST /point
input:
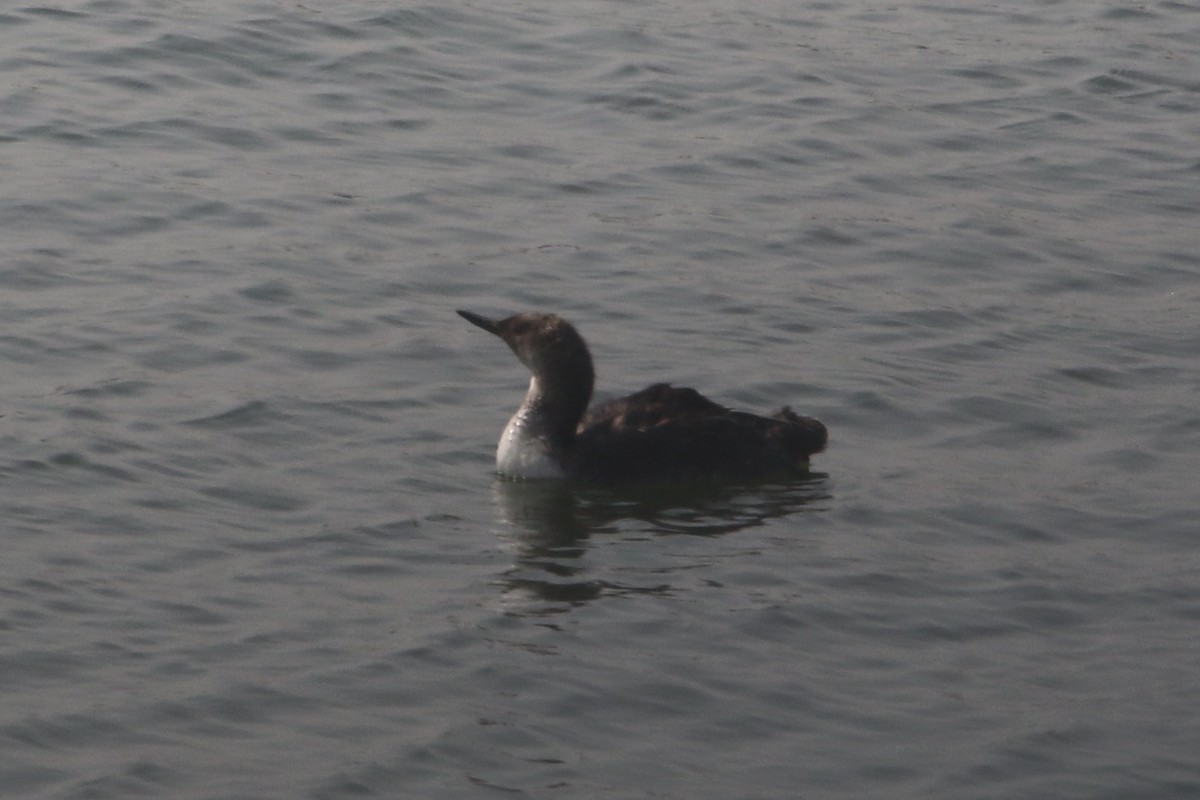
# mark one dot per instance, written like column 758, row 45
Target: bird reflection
column 550, row 538
column 551, row 523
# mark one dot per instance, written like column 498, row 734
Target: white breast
column 521, row 454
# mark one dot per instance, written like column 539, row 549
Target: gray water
column 253, row 544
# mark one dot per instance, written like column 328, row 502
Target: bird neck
column 554, row 405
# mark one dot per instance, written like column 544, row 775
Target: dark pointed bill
column 483, row 322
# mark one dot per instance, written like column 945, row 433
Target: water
column 253, row 546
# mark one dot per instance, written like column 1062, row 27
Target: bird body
column 662, row 433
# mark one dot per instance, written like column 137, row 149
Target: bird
column 662, row 433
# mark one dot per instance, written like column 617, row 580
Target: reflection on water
column 550, row 538
column 552, row 522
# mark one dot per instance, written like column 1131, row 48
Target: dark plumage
column 659, row 433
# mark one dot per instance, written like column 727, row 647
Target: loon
column 662, row 433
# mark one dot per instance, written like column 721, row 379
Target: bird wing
column 655, row 405
column 664, row 431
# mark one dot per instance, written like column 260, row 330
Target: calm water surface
column 253, row 544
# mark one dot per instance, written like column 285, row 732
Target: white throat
column 523, row 451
